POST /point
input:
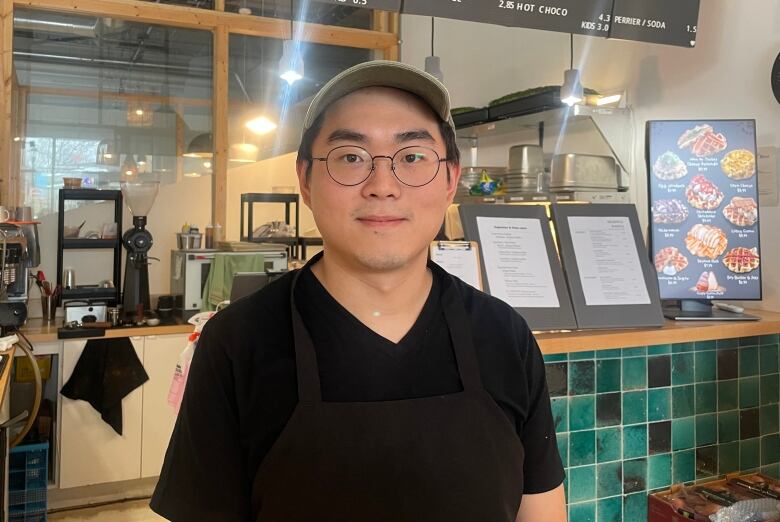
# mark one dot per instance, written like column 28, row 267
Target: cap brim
column 382, row 73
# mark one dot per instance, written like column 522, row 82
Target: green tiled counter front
column 633, row 420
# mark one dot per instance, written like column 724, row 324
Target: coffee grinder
column 139, row 197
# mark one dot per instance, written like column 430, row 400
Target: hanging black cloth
column 107, row 371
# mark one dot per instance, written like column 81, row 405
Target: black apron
column 449, row 457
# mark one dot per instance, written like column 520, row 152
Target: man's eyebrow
column 414, row 135
column 347, row 135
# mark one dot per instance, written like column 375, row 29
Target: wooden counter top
column 671, row 332
column 39, row 332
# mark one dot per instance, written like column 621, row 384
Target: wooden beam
column 6, row 78
column 220, row 128
column 219, row 5
column 393, row 51
column 180, row 149
column 193, row 18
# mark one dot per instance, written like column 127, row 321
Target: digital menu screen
column 704, row 208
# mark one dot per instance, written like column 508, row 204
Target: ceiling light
column 141, row 160
column 433, row 62
column 261, row 125
column 106, row 153
column 291, row 63
column 201, row 146
column 17, row 138
column 129, row 167
column 608, row 100
column 243, row 153
column 571, row 91
column 192, row 174
column 206, row 164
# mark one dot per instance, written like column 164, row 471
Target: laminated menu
column 704, row 213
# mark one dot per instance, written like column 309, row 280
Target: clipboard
column 459, row 258
column 547, row 305
column 594, row 291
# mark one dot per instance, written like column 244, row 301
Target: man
column 369, row 385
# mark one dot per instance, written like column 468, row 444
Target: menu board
column 589, row 17
column 704, row 208
column 384, row 5
column 672, row 22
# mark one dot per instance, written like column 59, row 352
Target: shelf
column 83, row 243
column 280, row 240
column 89, row 293
column 89, row 194
column 269, row 198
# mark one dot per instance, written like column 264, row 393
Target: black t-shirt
column 242, row 386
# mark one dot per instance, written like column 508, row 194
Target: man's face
column 380, row 224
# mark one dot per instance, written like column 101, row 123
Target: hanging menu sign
column 383, row 5
column 671, row 22
column 588, row 17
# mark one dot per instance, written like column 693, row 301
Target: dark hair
column 310, row 134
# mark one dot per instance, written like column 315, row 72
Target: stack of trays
column 526, row 170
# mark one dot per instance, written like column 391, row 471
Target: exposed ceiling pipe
column 118, row 63
column 53, row 23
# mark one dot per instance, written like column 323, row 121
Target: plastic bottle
column 209, row 236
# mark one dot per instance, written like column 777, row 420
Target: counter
column 38, row 331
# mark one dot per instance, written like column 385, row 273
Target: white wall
column 725, row 76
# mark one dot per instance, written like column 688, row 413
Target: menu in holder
column 703, row 190
column 519, row 263
column 459, row 258
column 611, row 281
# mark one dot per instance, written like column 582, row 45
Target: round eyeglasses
column 349, row 165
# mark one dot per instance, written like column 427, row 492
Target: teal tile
column 579, row 356
column 659, row 349
column 608, row 375
column 582, row 483
column 659, row 404
column 637, row 351
column 582, row 447
column 706, row 397
column 748, row 361
column 582, row 377
column 728, row 426
column 706, row 429
column 608, row 409
column 682, row 368
column 768, row 357
column 728, row 395
column 635, row 507
column 749, row 454
column 704, row 345
column 704, row 366
column 768, row 419
column 634, row 475
column 608, row 443
column 749, row 341
column 634, row 441
column 769, row 339
column 727, row 343
column 682, row 401
column 609, row 479
column 682, row 347
column 609, row 354
column 610, row 509
column 706, row 461
column 770, row 389
column 659, row 471
column 563, row 448
column 748, row 392
column 634, row 407
column 560, row 413
column 728, row 457
column 683, row 466
column 634, row 373
column 772, row 470
column 555, row 357
column 770, row 449
column 582, row 412
column 683, row 431
column 583, row 512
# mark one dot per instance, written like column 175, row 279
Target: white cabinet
column 91, row 451
column 161, row 353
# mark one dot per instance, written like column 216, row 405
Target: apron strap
column 308, row 372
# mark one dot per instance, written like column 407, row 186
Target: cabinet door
column 161, row 353
column 91, row 451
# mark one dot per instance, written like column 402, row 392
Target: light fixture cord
column 292, row 17
column 433, row 33
column 571, row 51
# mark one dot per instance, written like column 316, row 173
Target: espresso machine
column 14, row 265
column 139, row 197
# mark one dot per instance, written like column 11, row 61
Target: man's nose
column 382, row 181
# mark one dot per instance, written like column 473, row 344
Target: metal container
column 584, row 172
column 528, row 159
column 188, row 241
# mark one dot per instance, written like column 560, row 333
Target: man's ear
column 453, row 181
column 303, row 168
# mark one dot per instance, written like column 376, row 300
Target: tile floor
column 132, row 511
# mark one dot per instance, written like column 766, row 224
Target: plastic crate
column 27, row 482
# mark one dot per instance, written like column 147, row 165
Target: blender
column 139, row 197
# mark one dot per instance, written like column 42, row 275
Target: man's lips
column 381, row 220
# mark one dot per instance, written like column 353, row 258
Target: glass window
column 107, row 99
column 317, row 12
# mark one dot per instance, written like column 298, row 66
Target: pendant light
column 571, row 90
column 106, row 153
column 433, row 62
column 291, row 63
column 201, row 146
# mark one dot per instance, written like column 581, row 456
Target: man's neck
column 387, row 302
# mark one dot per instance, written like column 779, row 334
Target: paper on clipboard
column 459, row 258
